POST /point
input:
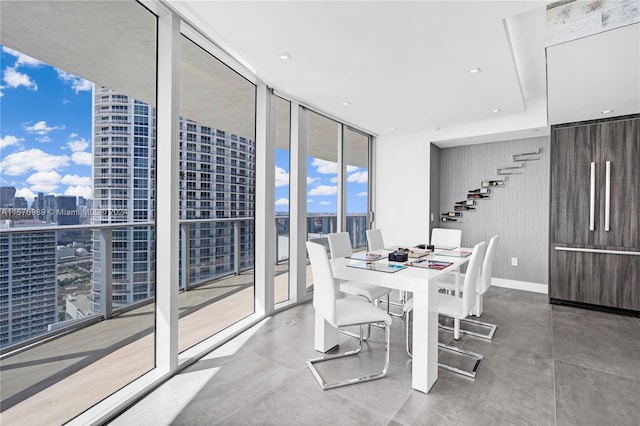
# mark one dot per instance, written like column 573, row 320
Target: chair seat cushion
column 450, row 306
column 370, row 291
column 354, row 311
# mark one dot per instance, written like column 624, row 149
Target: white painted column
column 265, row 201
column 167, row 202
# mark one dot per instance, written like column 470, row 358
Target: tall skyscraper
column 216, row 181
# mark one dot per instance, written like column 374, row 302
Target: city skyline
column 46, row 141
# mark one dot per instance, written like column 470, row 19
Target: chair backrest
column 471, row 278
column 487, row 266
column 442, row 237
column 340, row 244
column 374, row 240
column 324, row 286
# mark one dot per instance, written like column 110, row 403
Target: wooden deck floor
column 53, row 382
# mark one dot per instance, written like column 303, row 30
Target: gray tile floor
column 546, row 365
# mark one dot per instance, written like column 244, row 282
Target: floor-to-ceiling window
column 78, row 159
column 323, row 141
column 357, row 187
column 216, row 193
column 282, row 198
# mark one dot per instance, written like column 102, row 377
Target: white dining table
column 422, row 283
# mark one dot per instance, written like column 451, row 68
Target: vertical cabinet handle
column 592, row 197
column 607, row 195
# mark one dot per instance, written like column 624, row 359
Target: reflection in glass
column 216, row 191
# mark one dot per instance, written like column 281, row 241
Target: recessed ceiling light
column 606, row 111
column 346, row 103
column 475, row 70
column 392, row 128
column 285, row 56
column 496, row 110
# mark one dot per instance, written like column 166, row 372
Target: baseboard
column 520, row 285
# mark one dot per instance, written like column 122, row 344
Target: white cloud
column 325, row 167
column 41, row 128
column 22, row 59
column 66, row 101
column 26, row 193
column 359, row 177
column 325, row 203
column 1, row 92
column 78, row 84
column 80, row 191
column 81, row 158
column 324, row 190
column 311, row 180
column 9, row 140
column 77, row 145
column 282, row 177
column 32, row 159
column 329, row 167
column 309, row 200
column 44, row 181
column 362, row 194
column 44, row 139
column 334, row 179
column 282, row 202
column 76, row 180
column 15, row 79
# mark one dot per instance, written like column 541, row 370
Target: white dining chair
column 443, row 238
column 483, row 284
column 374, row 240
column 340, row 246
column 345, row 312
column 458, row 308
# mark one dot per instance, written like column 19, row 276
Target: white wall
column 402, row 188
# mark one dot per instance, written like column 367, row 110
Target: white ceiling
column 399, row 64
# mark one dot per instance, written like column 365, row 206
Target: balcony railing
column 212, row 264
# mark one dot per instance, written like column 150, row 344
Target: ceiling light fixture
column 606, row 111
column 285, row 56
column 392, row 128
column 496, row 110
column 346, row 103
column 475, row 70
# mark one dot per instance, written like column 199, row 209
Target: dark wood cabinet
column 596, row 163
column 619, row 144
column 602, row 279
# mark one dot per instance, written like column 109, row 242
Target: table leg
column 425, row 339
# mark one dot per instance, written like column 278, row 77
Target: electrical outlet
column 514, row 261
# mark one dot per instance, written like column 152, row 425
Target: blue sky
column 45, row 141
column 45, row 137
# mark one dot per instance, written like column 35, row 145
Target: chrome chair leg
column 324, row 385
column 472, row 373
column 489, row 336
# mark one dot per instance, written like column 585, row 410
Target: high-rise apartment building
column 216, row 182
column 7, row 193
column 27, row 283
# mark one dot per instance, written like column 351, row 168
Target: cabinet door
column 572, row 151
column 611, row 280
column 620, row 145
